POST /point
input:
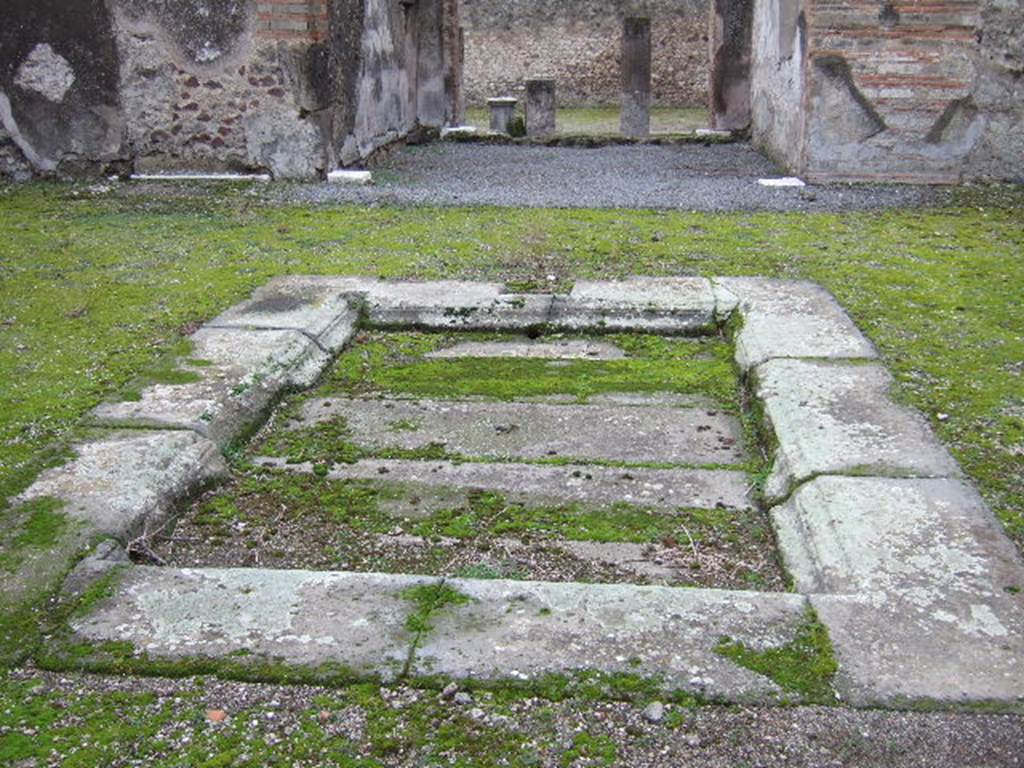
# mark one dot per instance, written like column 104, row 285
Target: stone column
column 636, row 78
column 540, row 108
column 732, row 24
column 503, row 109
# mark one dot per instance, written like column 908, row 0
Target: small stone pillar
column 540, row 108
column 636, row 78
column 503, row 109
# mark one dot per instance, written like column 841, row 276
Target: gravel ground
column 716, row 177
column 156, row 722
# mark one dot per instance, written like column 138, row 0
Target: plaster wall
column 287, row 87
column 777, row 79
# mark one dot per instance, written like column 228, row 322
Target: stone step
column 526, row 430
column 488, row 630
column 561, row 349
column 442, row 484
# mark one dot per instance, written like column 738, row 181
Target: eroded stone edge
column 946, row 629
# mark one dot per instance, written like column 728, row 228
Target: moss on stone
column 804, row 666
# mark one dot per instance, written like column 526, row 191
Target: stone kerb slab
column 787, row 318
column 316, row 309
column 641, row 304
column 837, row 418
column 241, row 375
column 918, row 585
column 127, row 484
column 525, row 630
column 299, row 617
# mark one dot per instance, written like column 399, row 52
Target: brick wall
column 291, row 20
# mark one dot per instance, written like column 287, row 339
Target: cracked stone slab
column 128, row 483
column 306, row 618
column 523, row 630
column 563, row 349
column 893, row 652
column 243, row 373
column 678, row 305
column 589, row 486
column 683, row 436
column 837, row 418
column 311, row 307
column 930, row 541
column 789, row 318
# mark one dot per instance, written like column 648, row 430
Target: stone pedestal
column 540, row 108
column 503, row 109
column 636, row 78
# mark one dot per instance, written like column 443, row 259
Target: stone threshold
column 929, row 613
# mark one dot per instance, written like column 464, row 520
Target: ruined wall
column 905, row 91
column 777, row 79
column 999, row 93
column 577, row 42
column 279, row 85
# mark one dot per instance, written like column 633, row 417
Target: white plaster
column 46, row 72
column 785, row 181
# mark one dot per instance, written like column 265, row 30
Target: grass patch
column 42, row 523
column 394, row 363
column 429, row 599
column 805, row 666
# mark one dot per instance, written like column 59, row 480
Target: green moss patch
column 394, row 363
column 804, row 666
column 40, row 523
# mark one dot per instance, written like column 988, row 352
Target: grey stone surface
column 560, row 349
column 523, row 630
column 311, row 307
column 455, row 304
column 837, row 418
column 789, row 318
column 892, row 652
column 508, row 630
column 653, row 304
column 127, row 483
column 589, row 486
column 915, row 581
column 927, row 540
column 299, row 617
column 540, row 430
column 244, row 372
